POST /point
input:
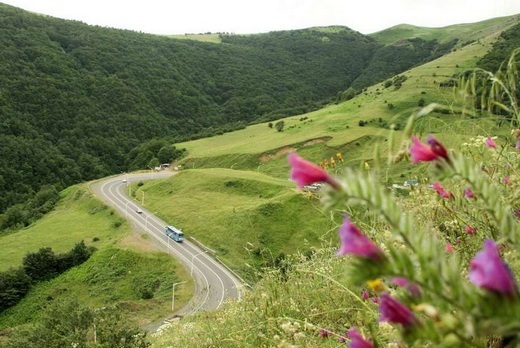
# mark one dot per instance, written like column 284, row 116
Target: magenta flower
column 394, row 311
column 441, row 191
column 432, row 151
column 353, row 242
column 356, row 340
column 402, row 282
column 488, row 271
column 468, row 193
column 304, row 172
column 506, row 180
column 437, row 147
column 470, row 230
column 365, row 295
column 491, row 143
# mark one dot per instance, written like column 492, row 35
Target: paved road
column 214, row 282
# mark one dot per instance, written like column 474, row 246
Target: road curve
column 215, row 284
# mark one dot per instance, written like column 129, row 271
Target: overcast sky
column 259, row 16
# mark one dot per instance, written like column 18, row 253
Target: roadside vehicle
column 175, row 234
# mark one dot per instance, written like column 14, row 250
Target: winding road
column 215, row 283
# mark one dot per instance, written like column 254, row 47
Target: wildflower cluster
column 443, row 280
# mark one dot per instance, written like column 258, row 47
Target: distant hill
column 462, row 32
column 79, row 102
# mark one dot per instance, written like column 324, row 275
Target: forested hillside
column 79, row 102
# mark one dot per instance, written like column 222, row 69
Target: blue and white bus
column 174, row 234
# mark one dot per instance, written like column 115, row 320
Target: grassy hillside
column 213, row 38
column 248, row 218
column 337, row 126
column 233, row 194
column 311, row 301
column 206, row 196
column 467, row 32
column 78, row 217
column 125, row 266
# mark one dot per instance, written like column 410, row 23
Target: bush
column 14, row 285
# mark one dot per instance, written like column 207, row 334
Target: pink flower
column 354, row 242
column 491, row 143
column 441, row 191
column 506, row 180
column 470, row 230
column 304, row 172
column 402, row 282
column 432, row 151
column 468, row 193
column 488, row 271
column 356, row 340
column 517, row 144
column 394, row 311
column 365, row 295
column 449, row 248
column 517, row 213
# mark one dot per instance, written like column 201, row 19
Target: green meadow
column 247, row 218
column 337, row 125
column 125, row 268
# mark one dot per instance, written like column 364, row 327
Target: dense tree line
column 502, row 49
column 22, row 214
column 393, row 59
column 38, row 266
column 78, row 102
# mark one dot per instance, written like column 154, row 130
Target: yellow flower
column 376, row 285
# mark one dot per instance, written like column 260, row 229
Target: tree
column 41, row 265
column 279, row 126
column 165, row 154
column 76, row 256
column 14, row 284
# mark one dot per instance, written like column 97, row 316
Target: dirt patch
column 266, row 157
column 316, row 141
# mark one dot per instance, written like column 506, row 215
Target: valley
column 233, row 195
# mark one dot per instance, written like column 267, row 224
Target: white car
column 139, row 211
